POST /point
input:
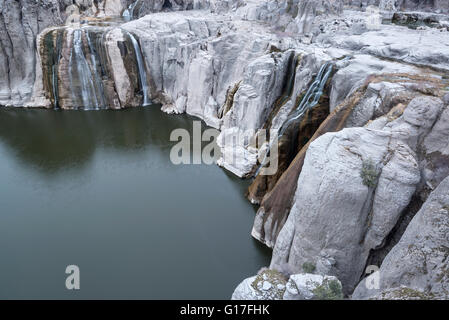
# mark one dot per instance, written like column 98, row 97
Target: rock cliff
column 361, row 114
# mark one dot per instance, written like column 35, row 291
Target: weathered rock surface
column 267, row 285
column 344, row 206
column 417, row 267
column 312, row 287
column 403, row 5
column 20, row 22
column 272, row 285
column 355, row 99
column 243, row 66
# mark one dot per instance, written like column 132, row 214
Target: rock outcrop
column 272, row 285
column 343, row 209
column 371, row 143
column 20, row 23
column 417, row 267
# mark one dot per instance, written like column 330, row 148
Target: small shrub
column 308, row 267
column 328, row 290
column 369, row 173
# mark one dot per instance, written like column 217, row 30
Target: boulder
column 312, row 287
column 267, row 285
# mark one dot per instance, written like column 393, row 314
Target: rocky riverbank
column 358, row 89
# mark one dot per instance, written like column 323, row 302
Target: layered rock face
column 353, row 188
column 20, row 23
column 403, row 5
column 90, row 67
column 361, row 114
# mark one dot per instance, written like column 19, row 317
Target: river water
column 97, row 189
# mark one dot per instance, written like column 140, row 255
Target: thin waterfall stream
column 142, row 71
column 128, row 14
column 310, row 100
column 84, row 72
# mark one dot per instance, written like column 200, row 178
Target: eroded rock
column 417, row 267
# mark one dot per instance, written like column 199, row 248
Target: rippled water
column 96, row 189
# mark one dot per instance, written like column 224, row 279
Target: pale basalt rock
column 403, row 5
column 336, row 214
column 312, row 287
column 386, row 94
column 271, row 285
column 267, row 285
column 20, row 22
column 194, row 60
column 354, row 72
column 262, row 84
column 417, row 267
column 420, row 47
column 424, row 127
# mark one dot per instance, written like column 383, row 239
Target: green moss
column 308, row 267
column 328, row 290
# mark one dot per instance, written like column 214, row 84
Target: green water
column 97, row 189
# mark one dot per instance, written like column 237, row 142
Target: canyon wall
column 361, row 114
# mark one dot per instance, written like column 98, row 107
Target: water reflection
column 51, row 141
column 97, row 189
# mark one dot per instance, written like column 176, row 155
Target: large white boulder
column 312, row 287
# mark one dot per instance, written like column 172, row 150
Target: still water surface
column 97, row 189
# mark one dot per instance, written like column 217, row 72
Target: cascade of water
column 88, row 67
column 97, row 80
column 310, row 99
column 142, row 71
column 85, row 77
column 128, row 14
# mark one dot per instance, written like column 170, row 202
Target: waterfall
column 142, row 71
column 128, row 14
column 78, row 72
column 87, row 81
column 310, row 99
column 98, row 82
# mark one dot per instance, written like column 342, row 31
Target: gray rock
column 271, row 285
column 335, row 214
column 341, row 210
column 417, row 267
column 267, row 285
column 312, row 287
column 20, row 22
